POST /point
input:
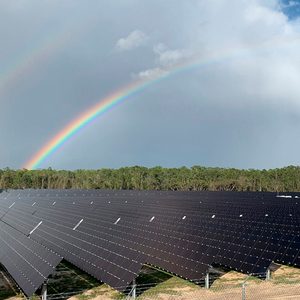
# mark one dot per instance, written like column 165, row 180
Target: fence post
column 244, row 284
column 44, row 291
column 207, row 281
column 132, row 293
column 244, row 291
column 268, row 274
column 133, row 289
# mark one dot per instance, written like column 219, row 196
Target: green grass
column 6, row 293
column 34, row 297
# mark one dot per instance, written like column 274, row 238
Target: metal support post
column 44, row 291
column 268, row 274
column 207, row 281
column 133, row 289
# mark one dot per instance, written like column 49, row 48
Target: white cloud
column 151, row 73
column 167, row 57
column 135, row 39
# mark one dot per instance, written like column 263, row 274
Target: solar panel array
column 28, row 262
column 111, row 234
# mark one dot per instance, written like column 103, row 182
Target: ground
column 7, row 289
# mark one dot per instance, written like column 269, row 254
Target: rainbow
column 116, row 98
column 23, row 64
column 83, row 120
column 41, row 51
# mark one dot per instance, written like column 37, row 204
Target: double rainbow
column 124, row 93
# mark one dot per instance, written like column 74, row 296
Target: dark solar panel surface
column 28, row 262
column 111, row 234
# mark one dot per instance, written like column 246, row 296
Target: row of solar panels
column 111, row 234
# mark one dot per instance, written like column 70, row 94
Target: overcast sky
column 59, row 57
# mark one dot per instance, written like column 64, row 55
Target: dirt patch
column 102, row 292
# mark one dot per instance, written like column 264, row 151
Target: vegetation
column 6, row 293
column 68, row 279
column 196, row 178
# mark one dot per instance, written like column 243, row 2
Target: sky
column 60, row 57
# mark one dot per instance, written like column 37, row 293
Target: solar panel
column 28, row 262
column 111, row 234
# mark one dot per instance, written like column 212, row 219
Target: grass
column 6, row 293
column 34, row 297
column 156, row 281
column 281, row 277
column 68, row 279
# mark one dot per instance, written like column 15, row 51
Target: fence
column 249, row 288
column 231, row 286
column 153, row 284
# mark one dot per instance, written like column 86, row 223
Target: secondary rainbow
column 122, row 94
column 28, row 60
column 41, row 50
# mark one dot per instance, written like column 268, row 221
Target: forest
column 196, row 178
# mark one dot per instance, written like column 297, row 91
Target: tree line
column 196, row 178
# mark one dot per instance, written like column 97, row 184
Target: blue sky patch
column 291, row 8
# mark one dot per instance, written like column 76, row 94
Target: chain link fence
column 231, row 286
column 152, row 284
